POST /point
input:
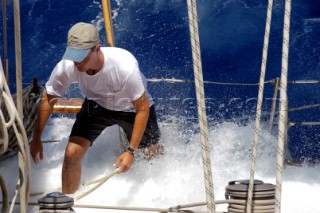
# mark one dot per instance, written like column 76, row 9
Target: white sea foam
column 174, row 178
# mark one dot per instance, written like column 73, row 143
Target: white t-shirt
column 114, row 87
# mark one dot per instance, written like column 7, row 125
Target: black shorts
column 93, row 119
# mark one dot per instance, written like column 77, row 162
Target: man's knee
column 76, row 149
column 71, row 156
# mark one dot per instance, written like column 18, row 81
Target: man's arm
column 45, row 111
column 142, row 114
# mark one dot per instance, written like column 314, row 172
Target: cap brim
column 76, row 55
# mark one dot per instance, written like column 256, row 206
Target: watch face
column 130, row 150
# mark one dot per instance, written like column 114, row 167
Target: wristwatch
column 130, row 150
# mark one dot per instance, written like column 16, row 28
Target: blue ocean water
column 156, row 32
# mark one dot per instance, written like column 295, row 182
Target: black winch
column 263, row 196
column 56, row 202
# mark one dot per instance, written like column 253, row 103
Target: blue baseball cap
column 81, row 38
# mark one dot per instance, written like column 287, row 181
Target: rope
column 31, row 103
column 17, row 40
column 197, row 66
column 13, row 130
column 303, row 124
column 4, row 195
column 99, row 183
column 304, row 107
column 5, row 42
column 274, row 104
column 22, row 156
column 15, row 197
column 174, row 80
column 259, row 105
column 178, row 208
column 4, row 2
column 304, row 82
column 283, row 116
column 296, row 109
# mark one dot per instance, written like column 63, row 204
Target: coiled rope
column 15, row 123
column 31, row 102
column 259, row 105
column 197, row 67
column 283, row 116
column 13, row 136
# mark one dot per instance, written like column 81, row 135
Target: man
column 115, row 92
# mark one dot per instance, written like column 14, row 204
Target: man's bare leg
column 71, row 169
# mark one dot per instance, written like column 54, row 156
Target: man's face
column 89, row 63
